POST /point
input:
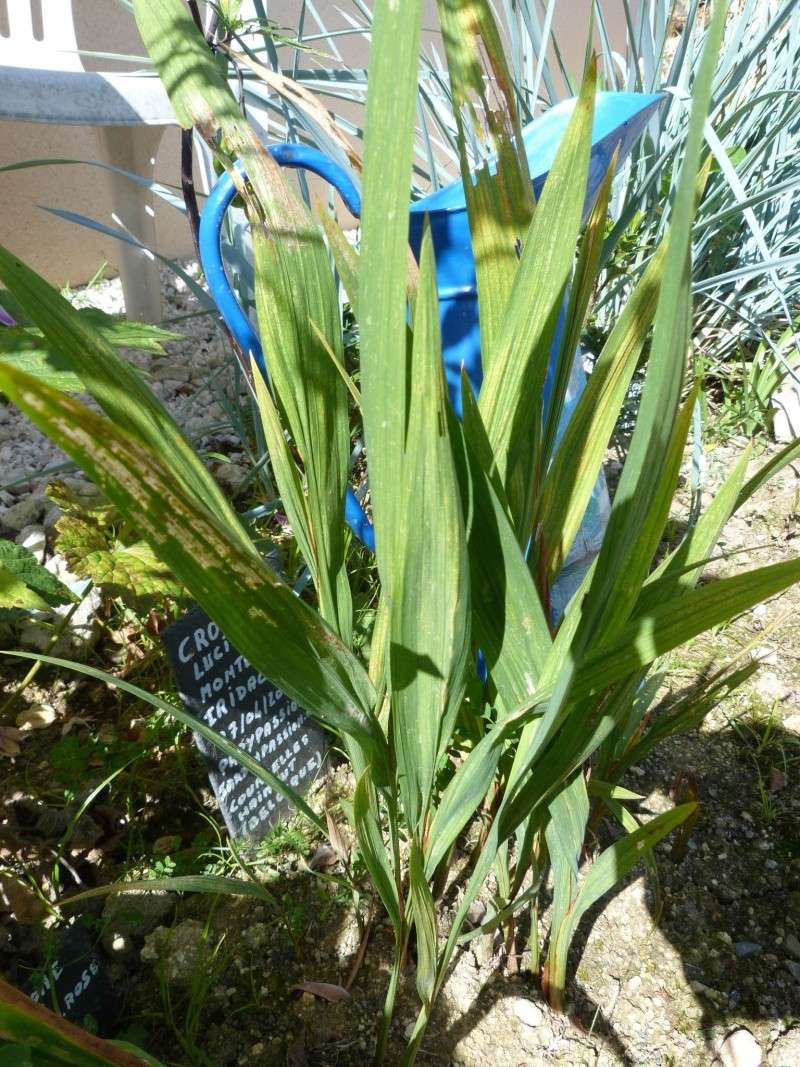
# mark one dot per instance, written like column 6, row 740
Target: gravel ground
column 194, row 379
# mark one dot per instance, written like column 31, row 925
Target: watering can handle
column 218, row 202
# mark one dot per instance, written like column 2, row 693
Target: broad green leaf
column 277, row 632
column 24, row 347
column 499, row 197
column 116, row 386
column 631, row 538
column 19, row 348
column 423, row 911
column 294, row 285
column 14, row 593
column 374, row 850
column 579, row 456
column 510, row 400
column 429, row 614
column 509, row 621
column 609, row 868
column 125, row 570
column 19, row 565
column 388, row 146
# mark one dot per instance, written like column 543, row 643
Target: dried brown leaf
column 325, row 990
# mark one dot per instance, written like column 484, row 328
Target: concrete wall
column 68, row 254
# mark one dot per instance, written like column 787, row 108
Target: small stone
column 33, row 538
column 786, row 1050
column 127, row 915
column 792, row 945
column 745, row 949
column 476, row 913
column 740, row 1049
column 792, row 724
column 785, row 405
column 724, row 894
column 183, row 950
column 162, row 846
column 770, row 686
column 26, row 512
column 528, row 1013
column 793, row 968
column 633, row 983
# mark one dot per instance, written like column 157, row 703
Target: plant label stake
column 221, row 688
column 75, row 983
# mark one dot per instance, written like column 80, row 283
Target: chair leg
column 134, row 148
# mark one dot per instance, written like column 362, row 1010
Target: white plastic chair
column 42, row 80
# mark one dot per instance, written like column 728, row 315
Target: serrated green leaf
column 20, row 563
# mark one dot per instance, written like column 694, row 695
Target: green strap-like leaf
column 632, row 535
column 510, row 624
column 681, row 569
column 424, row 915
column 511, row 394
column 579, row 456
column 116, row 386
column 278, row 633
column 500, row 198
column 388, row 149
column 374, row 850
column 429, row 616
column 609, row 868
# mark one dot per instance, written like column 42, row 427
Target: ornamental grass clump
column 473, row 519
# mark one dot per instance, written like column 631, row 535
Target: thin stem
column 387, row 1012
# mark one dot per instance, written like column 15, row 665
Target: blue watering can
column 619, row 119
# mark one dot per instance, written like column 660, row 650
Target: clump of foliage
column 473, row 521
column 99, row 544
